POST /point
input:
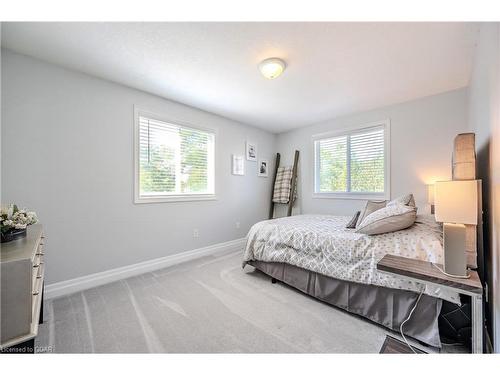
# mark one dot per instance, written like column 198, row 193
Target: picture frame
column 251, row 151
column 263, row 168
column 238, row 165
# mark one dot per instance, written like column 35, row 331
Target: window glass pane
column 352, row 163
column 158, row 149
column 367, row 161
column 332, row 155
column 194, row 161
column 174, row 160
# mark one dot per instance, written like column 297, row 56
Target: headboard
column 464, row 168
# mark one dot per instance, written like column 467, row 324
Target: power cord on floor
column 449, row 274
column 407, row 319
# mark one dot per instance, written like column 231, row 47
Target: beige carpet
column 209, row 305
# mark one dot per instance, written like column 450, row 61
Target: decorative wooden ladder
column 292, row 199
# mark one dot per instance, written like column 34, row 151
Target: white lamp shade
column 456, row 201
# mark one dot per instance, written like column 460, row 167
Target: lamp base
column 455, row 260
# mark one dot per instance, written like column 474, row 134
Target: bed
column 319, row 256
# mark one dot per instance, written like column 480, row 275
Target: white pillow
column 370, row 207
column 389, row 219
column 407, row 200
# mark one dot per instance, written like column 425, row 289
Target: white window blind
column 352, row 164
column 173, row 161
column 333, row 164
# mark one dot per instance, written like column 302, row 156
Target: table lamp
column 456, row 205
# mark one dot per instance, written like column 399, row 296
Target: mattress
column 322, row 244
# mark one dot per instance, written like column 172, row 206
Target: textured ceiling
column 333, row 69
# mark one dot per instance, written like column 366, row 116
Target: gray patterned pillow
column 352, row 223
column 388, row 219
column 370, row 207
column 407, row 200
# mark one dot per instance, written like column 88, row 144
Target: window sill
column 353, row 196
column 175, row 198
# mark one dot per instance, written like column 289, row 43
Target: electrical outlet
column 237, row 225
column 196, row 233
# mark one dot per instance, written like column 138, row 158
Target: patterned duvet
column 322, row 244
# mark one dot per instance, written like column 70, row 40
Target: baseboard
column 85, row 282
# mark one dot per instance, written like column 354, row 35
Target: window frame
column 138, row 199
column 386, row 124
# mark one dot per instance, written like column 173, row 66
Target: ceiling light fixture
column 272, row 68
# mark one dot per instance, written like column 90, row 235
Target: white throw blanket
column 322, row 244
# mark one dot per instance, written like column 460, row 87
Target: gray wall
column 67, row 152
column 422, row 133
column 484, row 120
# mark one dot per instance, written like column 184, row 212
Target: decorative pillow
column 388, row 219
column 352, row 223
column 406, row 200
column 371, row 206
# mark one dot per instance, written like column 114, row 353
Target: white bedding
column 322, row 244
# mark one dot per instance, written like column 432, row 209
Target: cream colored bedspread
column 322, row 244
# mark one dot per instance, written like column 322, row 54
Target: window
column 353, row 164
column 173, row 162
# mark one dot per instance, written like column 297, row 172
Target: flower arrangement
column 15, row 221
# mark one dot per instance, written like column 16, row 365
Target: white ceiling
column 333, row 68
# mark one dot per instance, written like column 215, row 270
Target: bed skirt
column 388, row 307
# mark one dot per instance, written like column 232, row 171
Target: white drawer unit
column 21, row 295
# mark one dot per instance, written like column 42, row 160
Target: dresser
column 21, row 290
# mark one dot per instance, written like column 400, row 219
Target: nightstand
column 425, row 273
